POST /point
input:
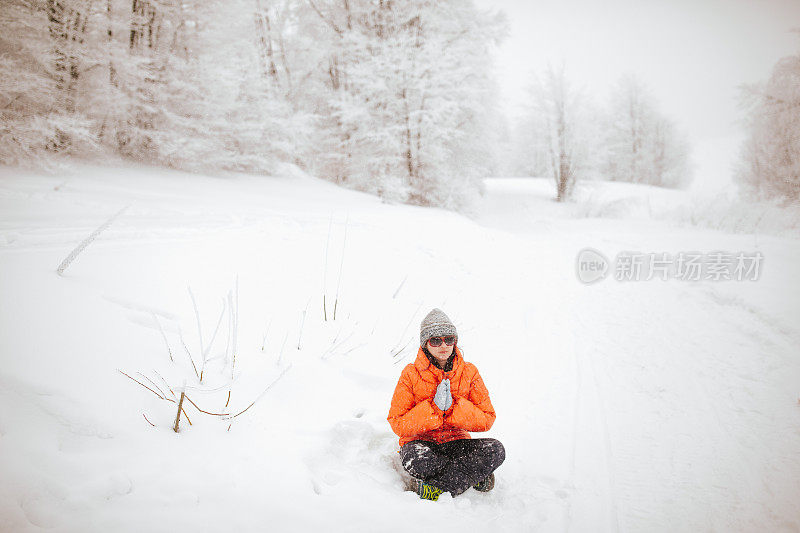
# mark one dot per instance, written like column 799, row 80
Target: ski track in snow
column 701, row 441
column 639, row 406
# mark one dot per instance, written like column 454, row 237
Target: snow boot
column 425, row 490
column 486, row 485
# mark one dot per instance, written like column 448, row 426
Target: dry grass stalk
column 165, row 384
column 143, row 385
column 285, row 370
column 203, row 410
column 188, row 354
column 153, row 384
column 210, row 344
column 163, row 336
column 197, row 317
column 178, row 415
column 341, row 267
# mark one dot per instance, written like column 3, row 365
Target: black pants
column 452, row 466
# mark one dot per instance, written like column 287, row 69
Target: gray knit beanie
column 435, row 324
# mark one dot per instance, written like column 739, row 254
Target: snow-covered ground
column 634, row 406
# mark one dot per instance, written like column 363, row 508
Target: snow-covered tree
column 558, row 130
column 640, row 144
column 409, row 97
column 394, row 97
column 42, row 61
column 163, row 81
column 221, row 101
column 770, row 162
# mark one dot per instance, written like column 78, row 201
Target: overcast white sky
column 693, row 54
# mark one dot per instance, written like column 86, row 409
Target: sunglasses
column 437, row 341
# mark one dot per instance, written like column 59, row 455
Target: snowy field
column 623, row 406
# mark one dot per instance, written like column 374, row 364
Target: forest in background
column 397, row 98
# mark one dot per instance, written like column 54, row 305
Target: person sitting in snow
column 438, row 400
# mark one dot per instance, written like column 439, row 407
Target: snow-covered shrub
column 735, row 214
column 724, row 211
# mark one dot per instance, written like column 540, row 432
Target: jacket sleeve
column 475, row 411
column 408, row 418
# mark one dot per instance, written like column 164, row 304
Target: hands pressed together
column 443, row 397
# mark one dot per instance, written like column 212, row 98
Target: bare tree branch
column 328, row 22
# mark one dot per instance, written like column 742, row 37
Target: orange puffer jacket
column 414, row 415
